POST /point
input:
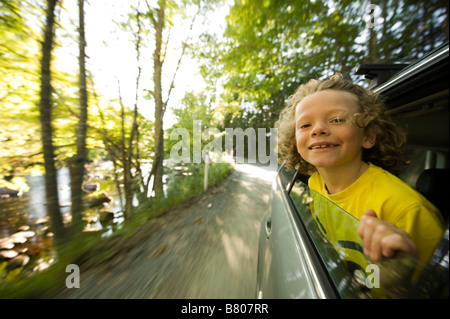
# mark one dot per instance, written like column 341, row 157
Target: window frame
column 318, row 267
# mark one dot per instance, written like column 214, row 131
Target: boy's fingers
column 363, row 230
column 370, row 212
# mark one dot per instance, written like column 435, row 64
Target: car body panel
column 290, row 272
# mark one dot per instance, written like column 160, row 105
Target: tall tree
column 159, row 19
column 45, row 107
column 78, row 160
column 157, row 166
column 133, row 150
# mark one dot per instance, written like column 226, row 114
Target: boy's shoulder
column 396, row 191
column 382, row 180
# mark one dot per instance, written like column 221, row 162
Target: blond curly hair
column 388, row 151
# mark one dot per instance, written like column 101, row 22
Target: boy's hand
column 383, row 239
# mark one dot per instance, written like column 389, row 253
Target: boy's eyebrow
column 333, row 111
column 301, row 118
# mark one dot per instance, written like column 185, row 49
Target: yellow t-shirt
column 394, row 201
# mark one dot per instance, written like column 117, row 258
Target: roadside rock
column 98, row 200
column 18, row 261
column 8, row 254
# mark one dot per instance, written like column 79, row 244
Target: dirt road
column 202, row 249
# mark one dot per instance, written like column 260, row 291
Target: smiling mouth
column 315, row 147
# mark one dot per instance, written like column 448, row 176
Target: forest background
column 230, row 64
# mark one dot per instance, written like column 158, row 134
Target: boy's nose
column 319, row 129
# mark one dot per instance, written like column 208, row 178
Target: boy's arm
column 382, row 239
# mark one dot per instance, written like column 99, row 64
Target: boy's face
column 325, row 138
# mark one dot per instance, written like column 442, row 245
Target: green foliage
column 194, row 107
column 19, row 88
column 264, row 54
column 190, row 182
column 270, row 47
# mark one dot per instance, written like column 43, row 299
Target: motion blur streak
column 204, row 248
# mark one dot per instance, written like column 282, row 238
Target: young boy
column 338, row 132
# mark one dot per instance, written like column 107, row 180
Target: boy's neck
column 339, row 178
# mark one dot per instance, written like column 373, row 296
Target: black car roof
column 418, row 97
column 424, row 81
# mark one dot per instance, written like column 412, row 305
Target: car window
column 334, row 234
column 286, row 176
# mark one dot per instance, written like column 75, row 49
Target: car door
column 309, row 248
column 287, row 264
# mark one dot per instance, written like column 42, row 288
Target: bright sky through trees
column 112, row 55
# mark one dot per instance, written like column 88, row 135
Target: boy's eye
column 338, row 119
column 303, row 126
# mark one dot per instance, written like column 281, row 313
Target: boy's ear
column 369, row 141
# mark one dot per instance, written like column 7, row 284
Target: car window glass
column 334, row 233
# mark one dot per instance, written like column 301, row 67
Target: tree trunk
column 157, row 167
column 77, row 163
column 126, row 162
column 133, row 142
column 373, row 49
column 45, row 106
column 386, row 34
